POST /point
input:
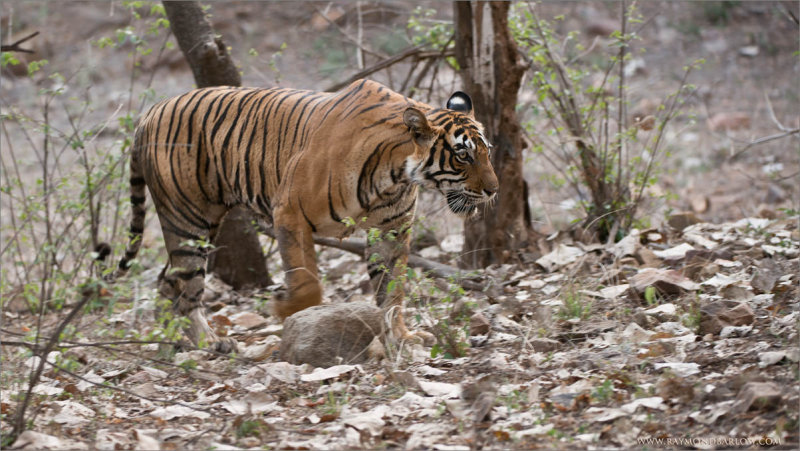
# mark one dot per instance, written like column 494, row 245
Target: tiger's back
column 215, row 147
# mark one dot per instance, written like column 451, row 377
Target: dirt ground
column 573, row 352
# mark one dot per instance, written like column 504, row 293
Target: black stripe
column 282, row 131
column 137, row 230
column 306, row 101
column 189, row 275
column 187, row 253
column 285, row 96
column 137, row 181
column 137, row 200
column 399, row 215
column 310, row 224
column 334, row 216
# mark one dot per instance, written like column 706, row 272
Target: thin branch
column 354, row 40
column 763, row 140
column 416, row 52
column 436, row 269
column 15, row 47
column 128, row 392
column 19, row 420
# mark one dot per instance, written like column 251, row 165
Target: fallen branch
column 763, row 140
column 435, row 269
column 15, row 47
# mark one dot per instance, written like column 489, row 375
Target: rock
column 675, row 253
column 644, row 320
column 331, row 334
column 749, row 51
column 38, row 441
column 766, row 359
column 757, row 396
column 559, row 257
column 249, row 320
column 718, row 314
column 479, row 324
column 666, row 281
column 635, row 334
column 647, row 258
column 261, row 351
column 681, row 220
column 544, row 344
column 663, row 312
column 627, row 245
column 700, row 203
column 766, row 276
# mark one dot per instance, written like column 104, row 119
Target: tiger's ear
column 424, row 135
column 461, row 102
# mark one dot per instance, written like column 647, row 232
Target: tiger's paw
column 419, row 337
column 280, row 307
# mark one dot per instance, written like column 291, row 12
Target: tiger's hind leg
column 183, row 282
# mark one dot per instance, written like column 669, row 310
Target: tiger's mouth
column 462, row 204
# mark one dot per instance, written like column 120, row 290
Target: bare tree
column 237, row 257
column 492, row 71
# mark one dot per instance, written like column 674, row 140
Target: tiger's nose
column 490, row 191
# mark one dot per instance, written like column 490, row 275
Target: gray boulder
column 331, row 334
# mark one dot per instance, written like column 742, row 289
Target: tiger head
column 452, row 155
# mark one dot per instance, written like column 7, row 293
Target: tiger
column 307, row 163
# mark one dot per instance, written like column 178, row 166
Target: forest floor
column 574, row 351
column 685, row 335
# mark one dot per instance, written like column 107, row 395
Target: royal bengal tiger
column 305, row 161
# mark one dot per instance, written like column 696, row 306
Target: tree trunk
column 237, row 258
column 204, row 50
column 492, row 74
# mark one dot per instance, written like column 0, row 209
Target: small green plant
column 693, row 316
column 250, row 427
column 651, row 295
column 574, row 305
column 582, row 125
column 334, row 402
column 604, row 392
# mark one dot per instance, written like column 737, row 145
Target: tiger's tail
column 138, row 209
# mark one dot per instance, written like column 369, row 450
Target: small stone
column 666, row 281
column 748, row 51
column 757, row 396
column 479, row 324
column 681, row 220
column 647, row 258
column 768, row 358
column 700, row 204
column 644, row 320
column 766, row 276
column 718, row 314
column 249, row 320
column 545, row 344
column 262, row 351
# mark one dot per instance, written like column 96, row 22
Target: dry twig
column 15, row 47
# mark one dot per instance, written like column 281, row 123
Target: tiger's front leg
column 296, row 244
column 387, row 258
